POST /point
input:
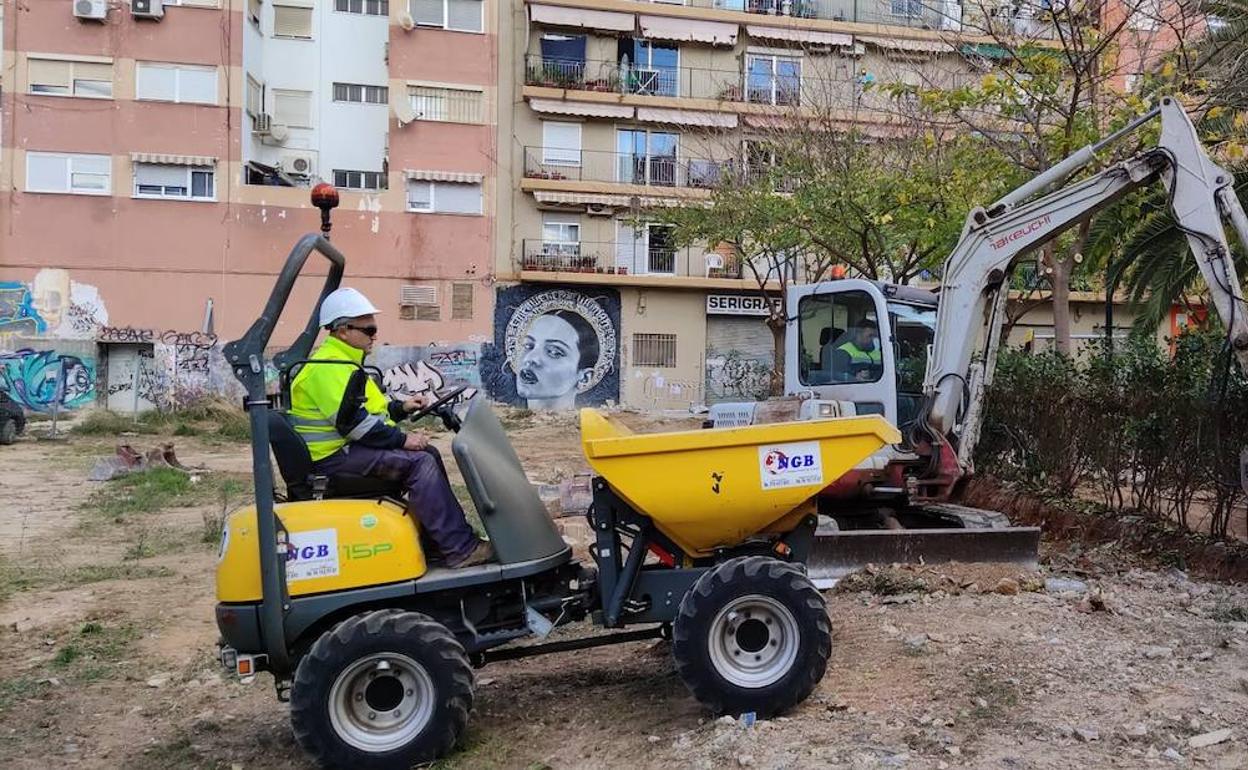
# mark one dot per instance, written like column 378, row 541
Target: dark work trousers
column 429, row 496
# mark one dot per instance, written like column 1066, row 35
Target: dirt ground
column 107, row 617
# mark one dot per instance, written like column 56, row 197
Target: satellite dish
column 407, row 22
column 404, row 112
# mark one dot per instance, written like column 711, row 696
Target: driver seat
column 294, row 462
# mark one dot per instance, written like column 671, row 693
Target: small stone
column 653, row 738
column 890, row 629
column 160, row 680
column 1203, row 655
column 1137, row 730
column 1154, row 652
column 1209, row 739
column 745, row 760
column 1172, row 755
column 939, row 638
column 954, row 751
column 916, row 643
column 1152, row 752
column 895, row 760
column 981, row 703
column 1087, row 734
column 726, row 721
column 1006, row 587
column 486, row 681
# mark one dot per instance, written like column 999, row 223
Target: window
column 653, row 69
column 562, row 64
column 452, row 105
column 360, row 180
column 658, row 350
column 773, row 79
column 561, row 143
column 158, row 180
column 461, row 302
column 838, row 339
column 292, row 21
column 912, row 8
column 59, row 172
column 1146, row 16
column 444, row 197
column 93, row 80
column 351, row 92
column 646, row 248
column 646, row 157
column 561, row 235
column 255, row 97
column 292, row 108
column 176, row 83
column 457, row 15
column 366, row 7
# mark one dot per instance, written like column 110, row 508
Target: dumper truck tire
column 8, row 430
column 752, row 634
column 385, row 689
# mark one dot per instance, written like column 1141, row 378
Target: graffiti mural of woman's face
column 550, row 368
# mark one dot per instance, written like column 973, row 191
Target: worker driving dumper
column 344, row 436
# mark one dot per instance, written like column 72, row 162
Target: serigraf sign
column 738, row 304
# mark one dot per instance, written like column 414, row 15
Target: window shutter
column 461, row 302
column 428, row 313
column 428, row 12
column 197, row 85
column 255, row 97
column 160, row 174
column 458, row 198
column 46, row 72
column 48, row 173
column 93, row 71
column 419, row 195
column 294, row 108
column 413, row 294
column 292, row 22
column 156, row 81
column 561, row 143
column 464, row 15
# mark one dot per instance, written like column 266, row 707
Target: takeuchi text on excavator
column 934, row 351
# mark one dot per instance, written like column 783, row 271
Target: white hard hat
column 345, row 303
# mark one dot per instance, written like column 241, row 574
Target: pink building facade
column 154, row 174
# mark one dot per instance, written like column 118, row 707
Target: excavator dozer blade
column 836, row 554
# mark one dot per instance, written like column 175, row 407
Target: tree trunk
column 1059, row 281
column 777, row 327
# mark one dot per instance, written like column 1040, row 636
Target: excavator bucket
column 957, row 533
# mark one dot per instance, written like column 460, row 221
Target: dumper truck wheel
column 8, row 430
column 752, row 635
column 384, row 689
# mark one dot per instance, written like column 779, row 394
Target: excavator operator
column 856, row 356
column 347, row 434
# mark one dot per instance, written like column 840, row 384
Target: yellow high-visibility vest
column 316, row 396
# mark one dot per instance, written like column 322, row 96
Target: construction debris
column 128, row 460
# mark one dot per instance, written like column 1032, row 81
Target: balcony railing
column 686, row 82
column 625, row 168
column 606, row 258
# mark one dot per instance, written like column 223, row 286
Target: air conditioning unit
column 94, row 10
column 406, row 21
column 262, row 124
column 599, row 210
column 298, row 164
column 147, row 9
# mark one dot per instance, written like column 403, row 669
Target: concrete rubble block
column 1209, row 739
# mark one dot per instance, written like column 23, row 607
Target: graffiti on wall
column 40, row 380
column 17, row 311
column 410, row 371
column 736, row 376
column 51, row 305
column 554, row 348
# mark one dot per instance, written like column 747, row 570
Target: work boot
column 480, row 554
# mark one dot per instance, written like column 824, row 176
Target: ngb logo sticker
column 790, row 465
column 312, row 554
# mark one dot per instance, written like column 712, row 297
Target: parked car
column 12, row 419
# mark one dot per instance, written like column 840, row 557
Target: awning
column 603, row 199
column 769, row 121
column 425, row 175
column 173, row 160
column 909, row 46
column 584, row 109
column 581, row 18
column 794, row 35
column 688, row 30
column 688, row 117
column 986, row 50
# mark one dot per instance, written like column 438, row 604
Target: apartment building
column 155, row 171
column 623, row 106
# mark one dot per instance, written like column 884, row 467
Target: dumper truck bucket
column 710, row 489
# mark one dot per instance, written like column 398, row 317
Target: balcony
column 782, row 89
column 625, row 168
column 620, row 259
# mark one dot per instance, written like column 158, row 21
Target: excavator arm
column 975, row 280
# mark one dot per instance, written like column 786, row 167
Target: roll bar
column 246, row 357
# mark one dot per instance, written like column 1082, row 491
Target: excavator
column 936, row 351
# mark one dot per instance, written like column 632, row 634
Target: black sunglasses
column 371, row 331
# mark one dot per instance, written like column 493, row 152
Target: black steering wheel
column 437, row 406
